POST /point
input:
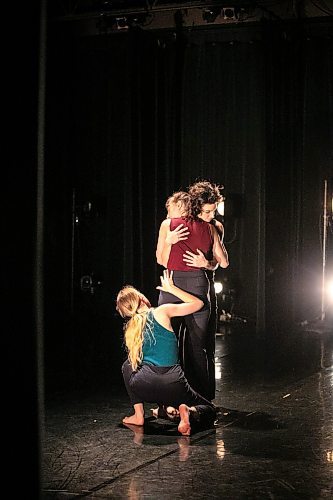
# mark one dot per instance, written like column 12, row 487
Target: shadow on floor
column 225, row 418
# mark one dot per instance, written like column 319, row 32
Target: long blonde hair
column 129, row 300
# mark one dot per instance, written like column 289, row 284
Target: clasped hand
column 178, row 234
column 195, row 260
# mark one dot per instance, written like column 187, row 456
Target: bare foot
column 134, row 420
column 154, row 412
column 184, row 426
column 168, row 412
column 172, row 412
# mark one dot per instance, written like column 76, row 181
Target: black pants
column 211, row 336
column 165, row 385
column 192, row 330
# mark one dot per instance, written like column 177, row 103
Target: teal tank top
column 160, row 347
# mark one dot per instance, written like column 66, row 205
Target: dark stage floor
column 273, row 439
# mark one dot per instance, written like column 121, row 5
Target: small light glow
column 220, row 449
column 329, row 456
column 220, row 207
column 218, row 371
column 330, row 291
column 218, row 287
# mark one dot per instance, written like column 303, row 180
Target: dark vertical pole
column 73, row 249
column 39, row 249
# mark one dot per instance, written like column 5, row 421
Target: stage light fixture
column 121, row 23
column 229, row 13
column 218, row 287
column 210, row 15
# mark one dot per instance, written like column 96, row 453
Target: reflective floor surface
column 273, row 438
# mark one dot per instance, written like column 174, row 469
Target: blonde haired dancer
column 152, row 372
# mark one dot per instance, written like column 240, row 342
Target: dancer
column 187, row 246
column 177, row 205
column 195, row 191
column 152, row 373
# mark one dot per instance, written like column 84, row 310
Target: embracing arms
column 220, row 254
column 166, row 238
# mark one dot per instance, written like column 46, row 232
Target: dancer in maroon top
column 187, row 246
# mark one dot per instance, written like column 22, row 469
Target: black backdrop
column 133, row 116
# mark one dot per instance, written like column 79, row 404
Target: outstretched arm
column 190, row 304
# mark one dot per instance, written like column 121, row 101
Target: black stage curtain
column 133, row 116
